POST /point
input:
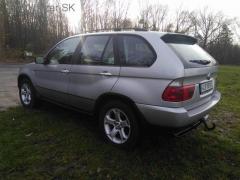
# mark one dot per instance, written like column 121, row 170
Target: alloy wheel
column 26, row 93
column 117, row 126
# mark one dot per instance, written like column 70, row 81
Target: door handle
column 65, row 71
column 105, row 73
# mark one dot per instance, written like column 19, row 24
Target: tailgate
column 205, row 84
column 200, row 68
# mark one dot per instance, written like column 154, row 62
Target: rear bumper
column 177, row 117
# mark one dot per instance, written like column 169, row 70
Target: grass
column 54, row 143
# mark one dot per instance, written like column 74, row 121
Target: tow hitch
column 206, row 125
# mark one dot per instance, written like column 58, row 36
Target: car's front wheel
column 27, row 94
column 118, row 124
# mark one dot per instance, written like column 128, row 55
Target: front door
column 52, row 77
column 95, row 71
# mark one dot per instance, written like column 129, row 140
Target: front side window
column 63, row 52
column 97, row 50
column 135, row 51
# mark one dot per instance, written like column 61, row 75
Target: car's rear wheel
column 118, row 124
column 27, row 94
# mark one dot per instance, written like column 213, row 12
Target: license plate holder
column 206, row 87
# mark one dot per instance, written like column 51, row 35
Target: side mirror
column 39, row 60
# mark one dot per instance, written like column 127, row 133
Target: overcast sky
column 231, row 8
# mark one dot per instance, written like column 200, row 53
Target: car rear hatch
column 199, row 68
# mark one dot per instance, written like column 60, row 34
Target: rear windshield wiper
column 203, row 62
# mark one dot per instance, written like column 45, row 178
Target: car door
column 52, row 76
column 94, row 72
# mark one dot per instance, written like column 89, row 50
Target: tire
column 118, row 124
column 27, row 94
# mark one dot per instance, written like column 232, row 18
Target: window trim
column 78, row 61
column 54, row 47
column 123, row 64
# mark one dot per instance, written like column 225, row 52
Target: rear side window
column 191, row 54
column 97, row 50
column 135, row 51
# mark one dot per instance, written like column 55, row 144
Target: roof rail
column 117, row 29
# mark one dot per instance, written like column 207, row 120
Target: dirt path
column 8, row 86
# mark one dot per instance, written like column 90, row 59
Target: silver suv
column 126, row 79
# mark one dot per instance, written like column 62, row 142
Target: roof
column 125, row 32
column 167, row 35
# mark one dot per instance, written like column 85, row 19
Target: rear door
column 95, row 70
column 200, row 68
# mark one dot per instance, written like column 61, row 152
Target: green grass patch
column 54, row 143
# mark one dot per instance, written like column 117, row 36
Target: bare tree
column 158, row 15
column 4, row 25
column 2, row 35
column 119, row 12
column 207, row 25
column 183, row 20
column 27, row 24
column 83, row 16
column 236, row 28
column 105, row 14
column 152, row 16
column 144, row 17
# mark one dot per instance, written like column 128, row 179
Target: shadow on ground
column 155, row 136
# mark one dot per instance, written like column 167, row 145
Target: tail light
column 178, row 93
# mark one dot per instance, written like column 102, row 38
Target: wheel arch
column 23, row 76
column 106, row 97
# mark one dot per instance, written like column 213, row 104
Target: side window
column 63, row 52
column 108, row 55
column 97, row 50
column 135, row 51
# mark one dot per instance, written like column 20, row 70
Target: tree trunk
column 2, row 36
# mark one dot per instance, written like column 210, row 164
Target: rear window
column 191, row 54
